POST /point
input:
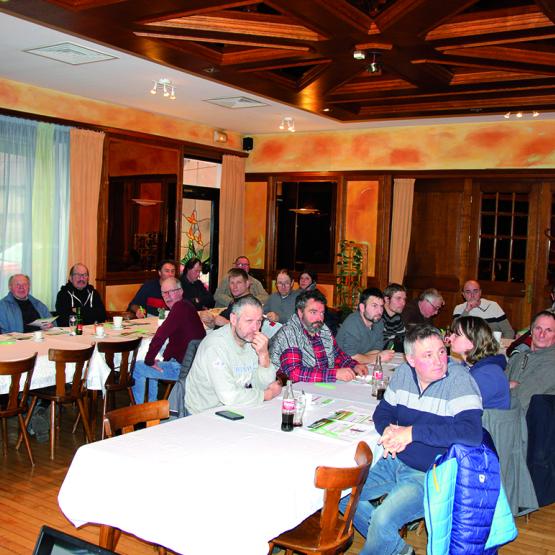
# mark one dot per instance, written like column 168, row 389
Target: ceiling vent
column 70, row 53
column 236, row 102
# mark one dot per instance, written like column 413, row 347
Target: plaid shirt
column 292, row 362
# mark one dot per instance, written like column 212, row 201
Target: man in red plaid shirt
column 305, row 348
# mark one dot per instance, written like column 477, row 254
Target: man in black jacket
column 77, row 293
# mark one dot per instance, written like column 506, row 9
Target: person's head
column 238, row 280
column 310, row 307
column 371, row 305
column 395, row 298
column 542, row 330
column 306, row 279
column 471, row 291
column 79, row 276
column 192, row 269
column 245, row 319
column 472, row 339
column 430, row 302
column 243, row 263
column 166, row 269
column 19, row 286
column 171, row 291
column 284, row 282
column 426, row 353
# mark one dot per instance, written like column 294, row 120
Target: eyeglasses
column 170, row 291
column 436, row 308
column 81, row 275
column 242, row 264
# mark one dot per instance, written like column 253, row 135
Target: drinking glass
column 72, row 324
column 300, row 404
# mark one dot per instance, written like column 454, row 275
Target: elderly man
column 77, row 293
column 223, row 295
column 395, row 299
column 429, row 405
column 181, row 325
column 18, row 308
column 280, row 306
column 232, row 365
column 361, row 334
column 305, row 349
column 422, row 309
column 531, row 370
column 489, row 311
column 148, row 299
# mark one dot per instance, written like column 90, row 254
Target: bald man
column 490, row 311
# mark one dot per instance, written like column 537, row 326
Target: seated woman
column 280, row 306
column 193, row 289
column 473, row 341
column 307, row 280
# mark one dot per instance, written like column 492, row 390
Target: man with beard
column 361, row 334
column 232, row 365
column 305, row 349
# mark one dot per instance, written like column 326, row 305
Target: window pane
column 486, row 248
column 488, row 225
column 504, row 225
column 521, row 225
column 505, row 204
column 484, row 270
column 517, row 272
column 502, row 271
column 488, row 203
column 503, row 248
column 519, row 249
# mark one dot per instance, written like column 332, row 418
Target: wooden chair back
column 16, row 404
column 81, row 360
column 126, row 418
column 334, row 526
column 128, row 351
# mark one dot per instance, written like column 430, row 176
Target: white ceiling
column 127, row 80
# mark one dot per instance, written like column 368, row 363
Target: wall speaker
column 248, row 143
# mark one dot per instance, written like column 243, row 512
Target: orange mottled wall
column 503, row 144
column 133, row 158
column 362, row 217
column 255, row 222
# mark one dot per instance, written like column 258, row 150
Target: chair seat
column 49, row 394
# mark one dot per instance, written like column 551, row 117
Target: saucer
column 41, row 340
column 99, row 336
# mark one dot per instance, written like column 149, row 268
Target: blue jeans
column 404, row 503
column 170, row 371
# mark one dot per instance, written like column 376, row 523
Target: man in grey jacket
column 532, row 370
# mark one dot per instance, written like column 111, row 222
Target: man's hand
column 513, row 384
column 386, row 355
column 273, row 390
column 395, row 438
column 473, row 303
column 273, row 316
column 156, row 367
column 260, row 345
column 207, row 318
column 46, row 325
column 361, row 370
column 345, row 374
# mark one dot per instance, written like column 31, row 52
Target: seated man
column 232, row 365
column 239, row 286
column 280, row 306
column 429, row 405
column 18, row 308
column 193, row 289
column 395, row 299
column 305, row 349
column 361, row 334
column 223, row 295
column 422, row 309
column 181, row 325
column 78, row 293
column 531, row 370
column 148, row 299
column 489, row 311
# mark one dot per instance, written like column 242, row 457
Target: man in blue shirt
column 428, row 406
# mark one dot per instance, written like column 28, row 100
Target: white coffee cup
column 118, row 321
column 497, row 336
column 37, row 336
column 100, row 331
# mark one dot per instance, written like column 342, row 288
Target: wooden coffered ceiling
column 433, row 57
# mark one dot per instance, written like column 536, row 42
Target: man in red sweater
column 182, row 325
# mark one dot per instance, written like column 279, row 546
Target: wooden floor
column 28, row 499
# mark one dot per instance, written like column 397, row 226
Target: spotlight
column 359, row 55
column 519, row 114
column 374, row 67
column 535, row 114
column 507, row 115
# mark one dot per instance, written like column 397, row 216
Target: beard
column 313, row 327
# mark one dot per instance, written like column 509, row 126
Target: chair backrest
column 126, row 418
column 81, row 359
column 333, row 525
column 126, row 349
column 189, row 358
column 15, row 368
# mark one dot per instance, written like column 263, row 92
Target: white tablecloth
column 205, row 485
column 13, row 347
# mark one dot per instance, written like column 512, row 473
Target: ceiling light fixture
column 287, row 123
column 165, row 86
column 374, row 67
column 359, row 55
column 522, row 115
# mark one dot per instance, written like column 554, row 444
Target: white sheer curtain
column 401, row 222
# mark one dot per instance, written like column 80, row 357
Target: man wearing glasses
column 181, row 325
column 422, row 309
column 490, row 311
column 77, row 293
column 223, row 294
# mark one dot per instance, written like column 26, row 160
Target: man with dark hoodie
column 77, row 293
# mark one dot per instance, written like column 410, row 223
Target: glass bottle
column 79, row 323
column 287, row 408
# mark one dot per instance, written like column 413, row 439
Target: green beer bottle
column 79, row 324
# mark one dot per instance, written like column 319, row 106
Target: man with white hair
column 422, row 309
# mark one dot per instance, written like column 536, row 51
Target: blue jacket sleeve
column 384, row 415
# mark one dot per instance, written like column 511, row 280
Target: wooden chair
column 62, row 393
column 328, row 532
column 125, row 419
column 15, row 404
